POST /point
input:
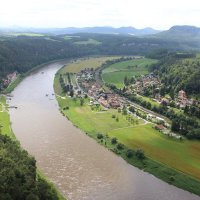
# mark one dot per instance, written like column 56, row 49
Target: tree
column 81, row 101
column 99, row 136
column 71, row 93
column 120, row 146
column 140, row 154
column 171, row 93
column 129, row 153
column 114, row 140
column 175, row 126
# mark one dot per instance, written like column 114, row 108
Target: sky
column 158, row 14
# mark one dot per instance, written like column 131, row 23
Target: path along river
column 80, row 167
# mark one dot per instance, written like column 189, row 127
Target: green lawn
column 115, row 73
column 89, row 41
column 5, row 119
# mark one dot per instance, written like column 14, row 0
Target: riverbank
column 94, row 122
column 20, row 77
column 6, row 130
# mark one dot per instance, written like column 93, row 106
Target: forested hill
column 179, row 73
column 21, row 52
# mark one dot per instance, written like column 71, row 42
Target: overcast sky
column 159, row 14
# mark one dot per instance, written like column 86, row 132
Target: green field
column 5, row 119
column 115, row 73
column 183, row 156
column 94, row 121
column 89, row 41
column 78, row 65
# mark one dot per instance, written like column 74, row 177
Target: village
column 98, row 95
column 86, row 85
column 9, row 79
column 152, row 84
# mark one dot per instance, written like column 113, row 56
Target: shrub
column 129, row 153
column 120, row 146
column 99, row 136
column 113, row 116
column 171, row 179
column 114, row 140
column 140, row 154
column 66, row 108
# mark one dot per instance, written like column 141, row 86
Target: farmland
column 80, row 64
column 115, row 73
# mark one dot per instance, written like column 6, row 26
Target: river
column 80, row 167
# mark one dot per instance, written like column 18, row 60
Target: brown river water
column 80, row 167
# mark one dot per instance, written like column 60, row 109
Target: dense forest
column 22, row 53
column 18, row 177
column 178, row 72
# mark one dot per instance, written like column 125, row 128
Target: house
column 159, row 127
column 182, row 94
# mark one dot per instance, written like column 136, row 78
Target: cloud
column 79, row 13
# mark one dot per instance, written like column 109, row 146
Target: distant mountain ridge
column 101, row 29
column 181, row 33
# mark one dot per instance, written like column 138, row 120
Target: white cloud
column 63, row 13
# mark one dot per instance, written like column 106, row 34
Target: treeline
column 66, row 87
column 18, row 177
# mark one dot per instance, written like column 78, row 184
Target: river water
column 81, row 168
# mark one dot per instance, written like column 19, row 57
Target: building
column 182, row 94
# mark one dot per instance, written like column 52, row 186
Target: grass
column 69, row 37
column 5, row 119
column 89, row 41
column 150, row 100
column 165, row 157
column 26, row 34
column 183, row 156
column 93, row 121
column 117, row 78
column 115, row 73
column 80, row 64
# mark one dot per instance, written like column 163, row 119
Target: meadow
column 89, row 41
column 5, row 126
column 181, row 155
column 82, row 63
column 115, row 73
